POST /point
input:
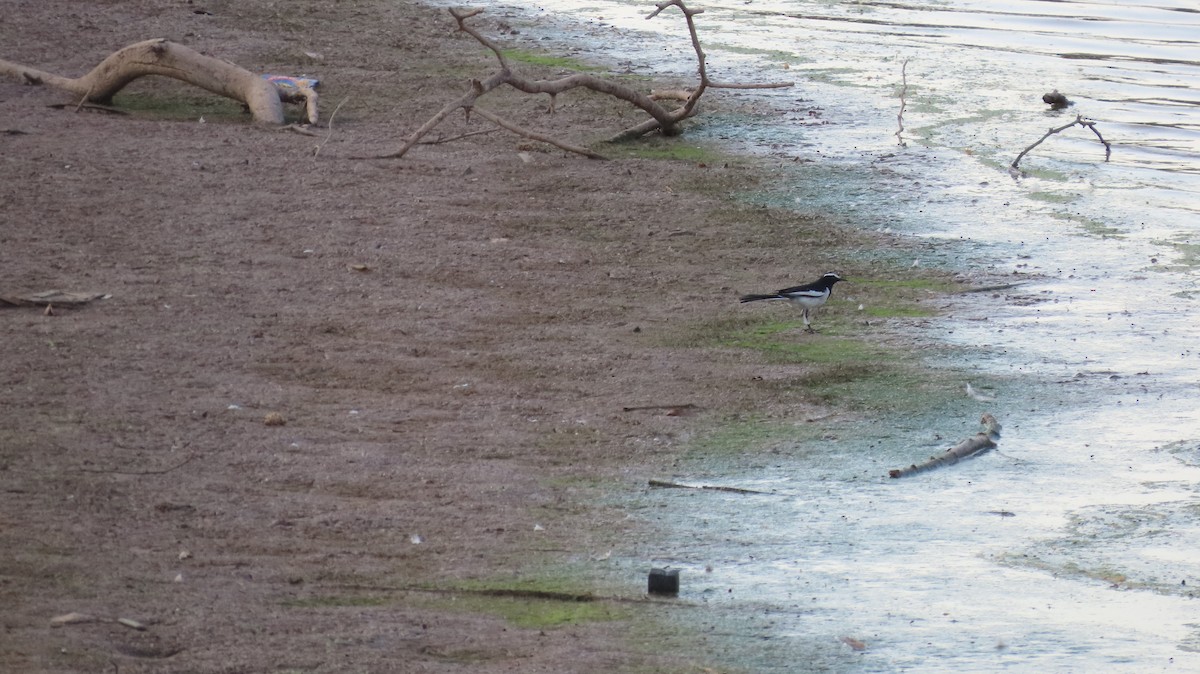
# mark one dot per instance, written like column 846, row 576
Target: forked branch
column 664, row 120
column 1086, row 123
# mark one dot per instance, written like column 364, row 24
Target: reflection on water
column 1095, row 571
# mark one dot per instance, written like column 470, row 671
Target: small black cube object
column 664, row 581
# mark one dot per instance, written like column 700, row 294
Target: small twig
column 460, row 136
column 685, row 406
column 465, row 100
column 1078, row 120
column 83, row 100
column 750, row 85
column 533, row 135
column 141, row 472
column 296, row 128
column 903, row 103
column 988, row 289
column 707, row 487
column 461, row 16
column 329, row 125
column 91, row 107
column 1092, row 125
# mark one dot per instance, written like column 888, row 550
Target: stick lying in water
column 1086, row 123
column 709, row 487
column 972, row 446
column 903, row 104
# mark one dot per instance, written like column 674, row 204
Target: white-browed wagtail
column 807, row 297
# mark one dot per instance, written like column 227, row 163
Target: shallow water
column 1100, row 369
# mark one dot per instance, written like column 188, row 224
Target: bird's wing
column 803, row 291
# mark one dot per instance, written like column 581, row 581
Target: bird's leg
column 807, row 326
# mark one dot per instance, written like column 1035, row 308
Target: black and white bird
column 808, row 296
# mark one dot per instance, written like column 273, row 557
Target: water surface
column 1099, row 364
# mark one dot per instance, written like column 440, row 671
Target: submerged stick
column 676, row 485
column 972, row 446
column 903, row 103
column 988, row 289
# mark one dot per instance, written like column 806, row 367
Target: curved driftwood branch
column 162, row 57
column 972, row 446
column 661, row 119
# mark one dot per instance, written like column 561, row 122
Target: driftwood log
column 972, row 446
column 661, row 119
column 168, row 59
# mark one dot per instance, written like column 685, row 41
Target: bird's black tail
column 755, row 298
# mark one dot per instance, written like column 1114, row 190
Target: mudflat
column 331, row 413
